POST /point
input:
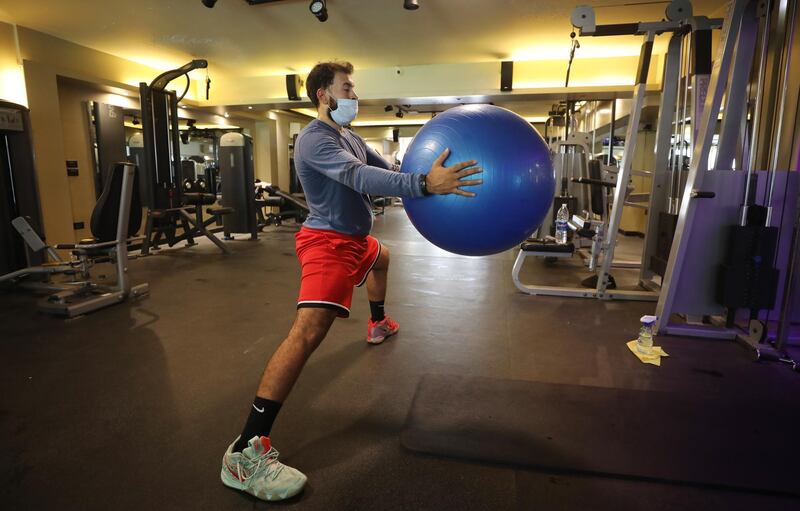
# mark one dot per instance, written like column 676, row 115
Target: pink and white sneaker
column 378, row 331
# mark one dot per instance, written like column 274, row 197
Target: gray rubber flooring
column 131, row 408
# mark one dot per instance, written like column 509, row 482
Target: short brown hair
column 321, row 77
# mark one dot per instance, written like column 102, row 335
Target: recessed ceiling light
column 249, row 107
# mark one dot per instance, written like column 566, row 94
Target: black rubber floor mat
column 687, row 438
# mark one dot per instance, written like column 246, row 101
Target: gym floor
column 132, row 407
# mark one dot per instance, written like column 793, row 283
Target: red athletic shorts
column 332, row 263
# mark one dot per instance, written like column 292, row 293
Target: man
column 337, row 170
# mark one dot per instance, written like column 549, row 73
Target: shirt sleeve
column 326, row 156
column 375, row 159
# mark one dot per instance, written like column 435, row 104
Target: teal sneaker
column 257, row 471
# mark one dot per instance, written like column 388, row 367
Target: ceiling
column 272, row 39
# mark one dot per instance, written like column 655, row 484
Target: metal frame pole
column 753, row 150
column 790, row 19
column 661, row 176
column 623, row 175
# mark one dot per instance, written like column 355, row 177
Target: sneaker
column 257, row 471
column 378, row 331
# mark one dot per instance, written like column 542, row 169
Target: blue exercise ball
column 518, row 180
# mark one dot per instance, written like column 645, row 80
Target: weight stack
column 666, row 233
column 747, row 278
column 237, row 182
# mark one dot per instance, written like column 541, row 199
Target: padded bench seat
column 541, row 248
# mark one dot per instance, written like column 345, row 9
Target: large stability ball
column 518, row 180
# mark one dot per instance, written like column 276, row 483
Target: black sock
column 259, row 422
column 376, row 309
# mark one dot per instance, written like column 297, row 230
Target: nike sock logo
column 259, row 410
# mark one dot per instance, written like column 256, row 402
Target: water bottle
column 562, row 217
column 645, row 341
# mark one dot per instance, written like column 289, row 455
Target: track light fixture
column 411, row 5
column 209, row 3
column 387, row 108
column 318, row 9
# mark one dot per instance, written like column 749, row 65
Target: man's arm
column 326, row 156
column 376, row 160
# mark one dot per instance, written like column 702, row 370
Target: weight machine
column 736, row 237
column 691, row 36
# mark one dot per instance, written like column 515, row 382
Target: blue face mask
column 343, row 111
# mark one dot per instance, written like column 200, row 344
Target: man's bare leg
column 380, row 325
column 257, row 471
column 378, row 277
column 310, row 327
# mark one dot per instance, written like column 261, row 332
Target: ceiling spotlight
column 411, row 5
column 387, row 108
column 249, row 107
column 210, row 3
column 318, row 9
column 399, row 114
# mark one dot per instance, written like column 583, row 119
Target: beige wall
column 283, row 136
column 265, row 158
column 48, row 149
column 12, row 76
column 75, row 61
column 474, row 78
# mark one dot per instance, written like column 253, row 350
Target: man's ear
column 321, row 96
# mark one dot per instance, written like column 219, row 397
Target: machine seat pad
column 547, row 246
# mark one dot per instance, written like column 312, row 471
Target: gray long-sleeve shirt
column 337, row 170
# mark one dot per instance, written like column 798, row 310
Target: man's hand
column 443, row 180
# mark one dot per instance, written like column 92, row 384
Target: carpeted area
column 132, row 407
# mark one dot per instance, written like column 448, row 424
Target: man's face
column 343, row 87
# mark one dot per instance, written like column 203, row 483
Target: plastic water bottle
column 562, row 217
column 645, row 341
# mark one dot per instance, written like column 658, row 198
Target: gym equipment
column 161, row 162
column 591, row 225
column 236, row 179
column 168, row 209
column 689, row 32
column 687, row 72
column 19, row 194
column 570, row 157
column 195, row 196
column 107, row 135
column 735, row 235
column 291, row 206
column 700, row 438
column 136, row 155
column 518, row 182
column 117, row 215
